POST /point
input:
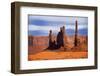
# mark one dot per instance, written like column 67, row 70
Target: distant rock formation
column 30, row 40
column 52, row 42
column 76, row 33
column 37, row 43
column 59, row 41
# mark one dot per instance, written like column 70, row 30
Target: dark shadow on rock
column 58, row 43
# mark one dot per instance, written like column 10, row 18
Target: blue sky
column 40, row 25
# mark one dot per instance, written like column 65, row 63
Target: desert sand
column 39, row 52
column 49, row 55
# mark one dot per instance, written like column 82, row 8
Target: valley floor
column 54, row 55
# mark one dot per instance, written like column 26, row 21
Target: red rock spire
column 76, row 32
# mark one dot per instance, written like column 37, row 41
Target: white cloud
column 54, row 28
column 63, row 19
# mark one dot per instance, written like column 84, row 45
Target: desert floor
column 54, row 55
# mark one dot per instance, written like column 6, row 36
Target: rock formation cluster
column 61, row 38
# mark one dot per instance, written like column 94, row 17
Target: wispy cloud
column 51, row 20
column 56, row 28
